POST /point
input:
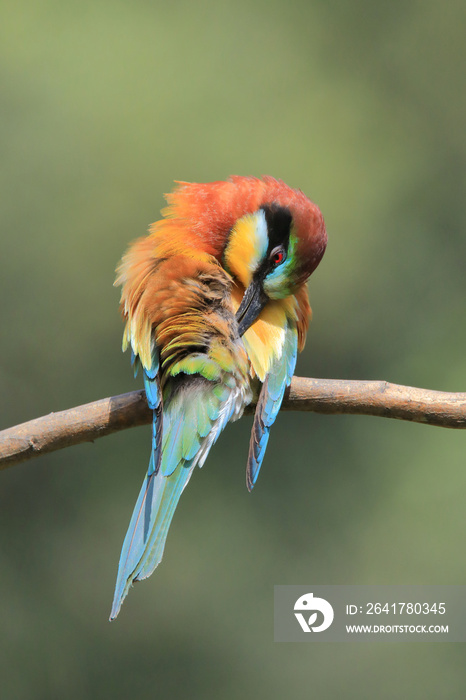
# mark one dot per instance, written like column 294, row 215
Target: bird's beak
column 253, row 302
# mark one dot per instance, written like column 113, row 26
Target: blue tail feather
column 147, row 533
column 162, row 487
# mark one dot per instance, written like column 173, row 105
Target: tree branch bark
column 372, row 398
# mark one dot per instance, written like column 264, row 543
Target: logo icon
column 307, row 603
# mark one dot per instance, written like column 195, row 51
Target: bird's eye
column 277, row 256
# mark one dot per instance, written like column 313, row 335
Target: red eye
column 277, row 256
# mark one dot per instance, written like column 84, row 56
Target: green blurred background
column 104, row 104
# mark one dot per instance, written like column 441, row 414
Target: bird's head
column 268, row 236
column 273, row 250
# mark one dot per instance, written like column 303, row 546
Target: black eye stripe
column 278, row 221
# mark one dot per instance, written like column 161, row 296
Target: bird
column 216, row 309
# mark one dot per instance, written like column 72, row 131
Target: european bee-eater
column 216, row 309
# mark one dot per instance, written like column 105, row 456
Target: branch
column 93, row 420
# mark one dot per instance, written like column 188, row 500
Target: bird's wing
column 194, row 416
column 268, row 406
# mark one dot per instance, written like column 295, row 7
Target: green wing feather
column 268, row 406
